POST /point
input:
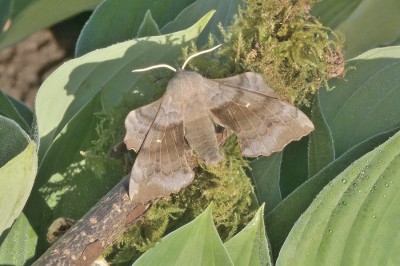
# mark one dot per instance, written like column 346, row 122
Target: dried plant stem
column 97, row 230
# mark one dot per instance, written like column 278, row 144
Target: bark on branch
column 98, row 229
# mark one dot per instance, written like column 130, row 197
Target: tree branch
column 97, row 230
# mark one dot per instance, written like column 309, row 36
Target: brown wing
column 161, row 167
column 263, row 124
column 248, row 81
column 138, row 123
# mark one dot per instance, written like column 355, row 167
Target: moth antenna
column 199, row 53
column 153, row 67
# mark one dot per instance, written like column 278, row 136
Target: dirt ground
column 24, row 66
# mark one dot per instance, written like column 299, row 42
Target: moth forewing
column 248, row 81
column 138, row 123
column 161, row 167
column 262, row 123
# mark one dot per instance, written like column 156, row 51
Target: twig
column 98, row 229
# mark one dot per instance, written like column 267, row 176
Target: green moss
column 225, row 184
column 289, row 47
column 105, row 155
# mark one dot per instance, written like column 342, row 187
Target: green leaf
column 13, row 139
column 30, row 16
column 226, row 10
column 265, row 173
column 367, row 102
column 4, row 12
column 118, row 21
column 380, row 18
column 19, row 247
column 148, row 27
column 294, row 170
column 354, row 220
column 280, row 221
column 67, row 187
column 250, row 246
column 333, row 12
column 14, row 110
column 16, row 181
column 366, row 24
column 321, row 150
column 196, row 243
column 24, row 111
column 108, row 70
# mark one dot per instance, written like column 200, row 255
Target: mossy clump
column 281, row 40
column 226, row 185
column 105, row 156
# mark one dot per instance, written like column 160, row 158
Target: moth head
column 184, row 64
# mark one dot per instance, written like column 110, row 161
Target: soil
column 24, row 66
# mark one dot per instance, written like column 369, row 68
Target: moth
column 184, row 119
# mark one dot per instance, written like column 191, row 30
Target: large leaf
column 294, row 169
column 226, row 10
column 16, row 111
column 118, row 21
column 108, row 70
column 250, row 246
column 283, row 217
column 67, row 187
column 333, row 12
column 13, row 139
column 367, row 102
column 4, row 12
column 16, row 181
column 19, row 247
column 321, row 150
column 354, row 220
column 265, row 173
column 196, row 243
column 30, row 16
column 366, row 24
column 23, row 110
column 148, row 27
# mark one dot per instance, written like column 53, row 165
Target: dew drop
column 365, row 210
column 386, row 185
column 374, row 216
column 344, row 181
